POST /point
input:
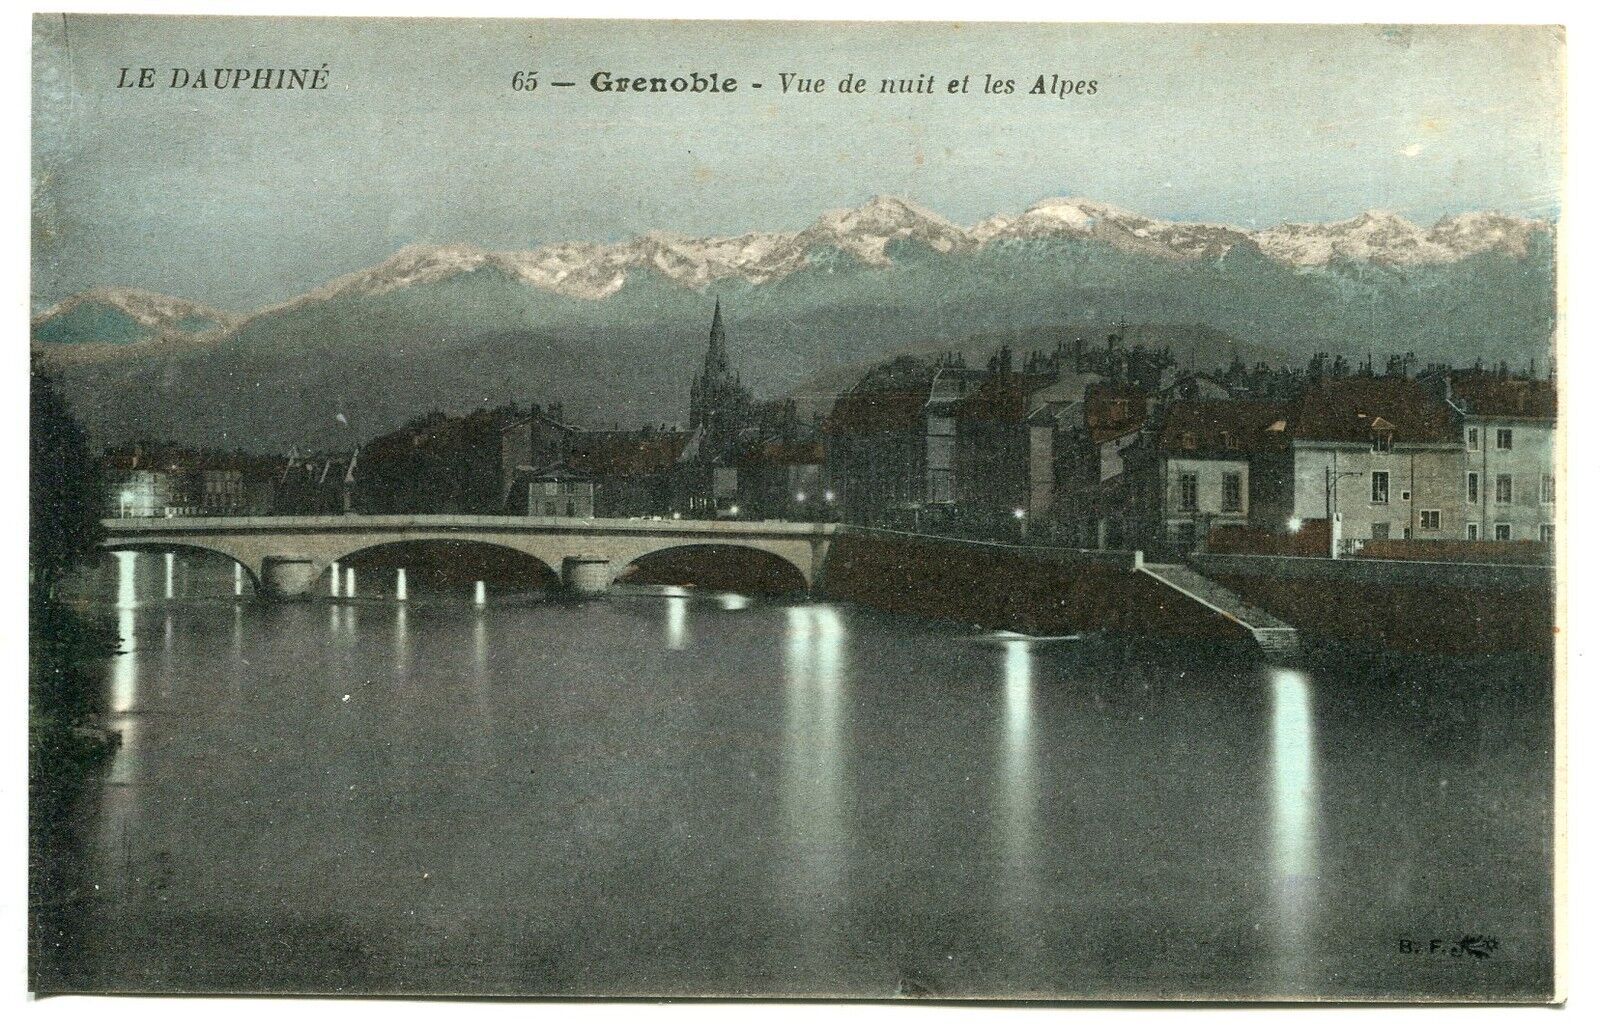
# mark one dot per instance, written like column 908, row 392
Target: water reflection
column 125, row 665
column 813, row 758
column 677, row 617
column 733, row 601
column 402, row 638
column 1019, row 781
column 1008, row 885
column 171, row 560
column 125, row 672
column 1294, row 814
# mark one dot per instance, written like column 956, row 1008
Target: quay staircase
column 1275, row 638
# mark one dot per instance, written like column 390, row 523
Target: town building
column 1093, row 505
column 1207, row 464
column 1381, row 455
column 877, row 442
column 134, row 489
column 1004, row 455
column 635, row 472
column 1508, row 428
column 783, row 479
column 552, row 493
column 539, row 441
column 952, row 380
column 164, row 481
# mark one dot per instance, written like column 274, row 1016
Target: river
column 675, row 792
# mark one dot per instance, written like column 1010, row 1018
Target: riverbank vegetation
column 66, row 728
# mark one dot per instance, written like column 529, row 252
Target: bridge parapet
column 287, row 554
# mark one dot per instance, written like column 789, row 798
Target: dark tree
column 64, row 515
column 64, row 528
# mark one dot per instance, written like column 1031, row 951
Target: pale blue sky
column 244, row 198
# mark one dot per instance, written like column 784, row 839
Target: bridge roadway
column 287, row 555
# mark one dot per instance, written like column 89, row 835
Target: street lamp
column 1022, row 522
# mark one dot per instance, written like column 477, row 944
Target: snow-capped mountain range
column 155, row 312
column 595, row 271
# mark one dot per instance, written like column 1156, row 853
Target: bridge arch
column 251, row 571
column 448, row 561
column 737, row 566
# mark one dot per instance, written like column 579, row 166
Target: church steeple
column 717, row 353
column 717, row 403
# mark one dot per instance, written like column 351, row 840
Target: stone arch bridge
column 287, row 555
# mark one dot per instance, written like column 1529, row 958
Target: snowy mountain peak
column 593, row 271
column 156, row 314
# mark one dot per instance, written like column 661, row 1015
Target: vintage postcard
column 781, row 509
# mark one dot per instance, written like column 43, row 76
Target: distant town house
column 1209, row 464
column 1507, row 432
column 1381, row 455
column 554, row 493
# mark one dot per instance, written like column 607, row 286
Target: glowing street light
column 1294, row 524
column 799, row 497
column 828, row 496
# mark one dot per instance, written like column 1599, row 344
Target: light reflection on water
column 402, row 638
column 815, row 764
column 906, row 793
column 1294, row 813
column 677, row 617
column 1019, row 780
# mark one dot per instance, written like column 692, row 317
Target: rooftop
column 1354, row 409
column 1486, row 393
column 1242, row 426
column 868, row 413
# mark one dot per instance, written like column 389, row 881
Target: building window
column 1547, row 489
column 1227, row 440
column 550, row 509
column 1380, row 531
column 1381, row 442
column 1502, row 488
column 1472, row 487
column 1502, row 438
column 1472, row 439
column 1429, row 520
column 1502, row 533
column 1188, row 441
column 1380, row 488
column 1547, row 533
column 1232, row 491
column 572, row 508
column 1472, row 531
column 1189, row 488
